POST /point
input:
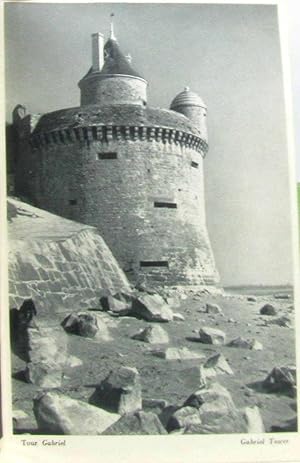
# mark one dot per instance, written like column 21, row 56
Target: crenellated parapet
column 107, row 133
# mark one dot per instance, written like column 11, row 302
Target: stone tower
column 133, row 171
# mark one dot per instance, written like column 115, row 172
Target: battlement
column 107, row 133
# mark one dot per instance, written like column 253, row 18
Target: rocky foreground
column 149, row 363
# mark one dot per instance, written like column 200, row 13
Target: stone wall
column 58, row 263
column 144, row 194
column 107, row 90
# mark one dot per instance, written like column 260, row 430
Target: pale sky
column 230, row 56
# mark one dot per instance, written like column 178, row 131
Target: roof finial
column 112, row 35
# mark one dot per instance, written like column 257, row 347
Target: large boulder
column 217, row 411
column 268, row 309
column 183, row 417
column 82, row 324
column 47, row 355
column 209, row 335
column 217, row 364
column 120, row 392
column 154, row 405
column 153, row 335
column 151, row 307
column 58, row 414
column 176, row 353
column 284, row 321
column 136, row 423
column 281, row 379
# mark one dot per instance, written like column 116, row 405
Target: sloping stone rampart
column 60, row 264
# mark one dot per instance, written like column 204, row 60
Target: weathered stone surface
column 213, row 309
column 44, row 374
column 211, row 336
column 151, row 307
column 176, row 353
column 197, row 372
column 268, row 309
column 217, row 364
column 154, row 405
column 56, row 261
column 82, row 324
column 217, row 411
column 243, row 343
column 120, row 303
column 153, row 335
column 282, row 379
column 22, row 422
column 138, row 423
column 184, row 417
column 120, row 392
column 254, row 421
column 58, row 414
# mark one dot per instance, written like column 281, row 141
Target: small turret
column 111, row 79
column 193, row 107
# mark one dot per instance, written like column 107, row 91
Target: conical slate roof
column 116, row 62
column 187, row 98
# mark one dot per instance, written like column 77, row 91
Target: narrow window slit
column 195, row 164
column 72, row 202
column 154, row 263
column 107, row 155
column 165, row 204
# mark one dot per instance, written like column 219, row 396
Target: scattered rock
column 290, row 425
column 74, row 362
column 254, row 421
column 212, row 336
column 251, row 299
column 176, row 353
column 151, row 307
column 138, row 423
column 82, row 324
column 184, row 417
column 154, row 405
column 231, row 320
column 58, row 414
column 213, row 309
column 243, row 343
column 284, row 321
column 177, row 317
column 153, row 335
column 217, row 412
column 281, row 379
column 268, row 309
column 282, row 296
column 111, row 302
column 120, row 392
column 217, row 364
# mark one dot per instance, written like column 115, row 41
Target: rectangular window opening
column 154, row 263
column 107, row 155
column 195, row 164
column 72, row 202
column 165, row 204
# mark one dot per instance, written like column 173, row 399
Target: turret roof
column 115, row 61
column 187, row 98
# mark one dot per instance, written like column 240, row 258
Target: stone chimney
column 97, row 51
